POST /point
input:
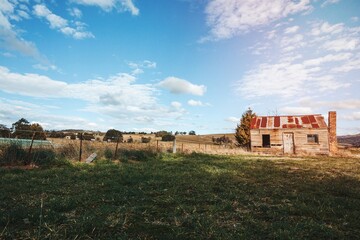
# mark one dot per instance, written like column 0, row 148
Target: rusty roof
column 284, row 122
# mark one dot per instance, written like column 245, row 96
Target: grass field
column 192, row 196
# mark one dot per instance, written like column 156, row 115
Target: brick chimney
column 333, row 148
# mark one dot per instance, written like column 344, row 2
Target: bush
column 145, row 139
column 68, row 151
column 44, row 157
column 168, row 138
column 108, row 153
column 138, row 155
column 48, row 158
column 13, row 154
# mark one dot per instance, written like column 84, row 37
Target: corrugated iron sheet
column 279, row 122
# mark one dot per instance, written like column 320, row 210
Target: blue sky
column 177, row 65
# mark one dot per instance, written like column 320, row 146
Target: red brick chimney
column 333, row 148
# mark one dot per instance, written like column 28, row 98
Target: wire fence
column 82, row 150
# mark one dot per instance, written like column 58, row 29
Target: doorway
column 288, row 141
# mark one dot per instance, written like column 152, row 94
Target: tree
column 39, row 131
column 88, row 136
column 22, row 129
column 4, row 131
column 192, row 132
column 162, row 133
column 168, row 138
column 242, row 131
column 113, row 135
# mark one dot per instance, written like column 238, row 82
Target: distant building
column 302, row 134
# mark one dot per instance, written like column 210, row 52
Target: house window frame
column 264, row 141
column 312, row 138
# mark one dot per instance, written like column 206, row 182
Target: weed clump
column 108, row 153
column 68, row 151
column 138, row 155
column 13, row 154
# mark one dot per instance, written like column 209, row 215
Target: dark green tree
column 192, row 132
column 162, row 133
column 242, row 131
column 22, row 129
column 168, row 138
column 113, row 135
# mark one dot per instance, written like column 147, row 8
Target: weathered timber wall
column 301, row 145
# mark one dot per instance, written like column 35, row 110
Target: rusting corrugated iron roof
column 280, row 122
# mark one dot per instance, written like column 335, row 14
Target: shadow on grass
column 193, row 196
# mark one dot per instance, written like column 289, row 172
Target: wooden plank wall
column 300, row 141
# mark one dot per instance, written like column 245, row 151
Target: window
column 266, row 140
column 313, row 138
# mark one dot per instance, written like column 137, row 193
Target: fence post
column 116, row 149
column 81, row 138
column 174, row 146
column 30, row 148
column 157, row 145
column 182, row 148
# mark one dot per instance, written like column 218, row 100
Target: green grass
column 185, row 197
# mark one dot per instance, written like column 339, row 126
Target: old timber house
column 302, row 134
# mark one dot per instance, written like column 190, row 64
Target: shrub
column 145, row 139
column 47, row 158
column 68, row 151
column 13, row 154
column 168, row 138
column 108, row 153
column 138, row 155
column 43, row 157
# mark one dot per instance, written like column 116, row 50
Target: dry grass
column 194, row 196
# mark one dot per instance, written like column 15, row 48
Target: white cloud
column 178, row 86
column 323, row 28
column 329, row 2
column 295, row 110
column 108, row 5
column 75, row 12
column 233, row 119
column 340, row 44
column 44, row 67
column 29, row 84
column 317, row 71
column 228, row 18
column 355, row 116
column 176, row 104
column 338, row 105
column 328, row 58
column 61, row 24
column 139, row 66
column 117, row 96
column 195, row 103
column 9, row 35
column 290, row 30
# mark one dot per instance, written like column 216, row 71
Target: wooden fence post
column 174, row 146
column 30, row 148
column 157, row 145
column 116, row 149
column 81, row 138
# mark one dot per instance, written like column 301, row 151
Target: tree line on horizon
column 23, row 129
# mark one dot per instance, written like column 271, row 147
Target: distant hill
column 353, row 140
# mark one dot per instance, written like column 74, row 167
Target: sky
column 177, row 65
